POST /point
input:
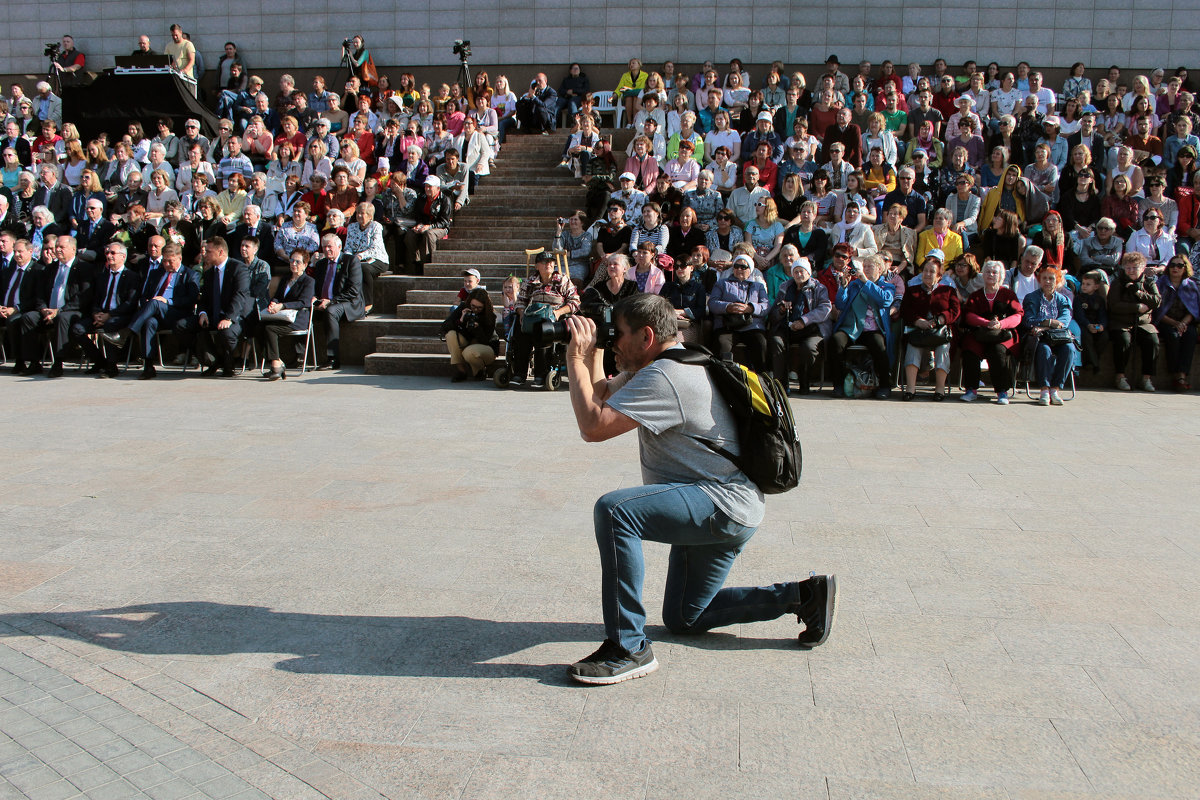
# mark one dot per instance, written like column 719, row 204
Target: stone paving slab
column 352, row 586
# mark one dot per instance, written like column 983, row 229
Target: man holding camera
column 67, row 62
column 694, row 498
column 536, row 108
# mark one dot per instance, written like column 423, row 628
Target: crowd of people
column 353, row 184
column 890, row 219
column 787, row 222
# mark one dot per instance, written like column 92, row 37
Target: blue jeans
column 1051, row 364
column 704, row 542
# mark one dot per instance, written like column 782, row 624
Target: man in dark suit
column 114, row 300
column 223, row 305
column 252, row 225
column 9, row 221
column 65, row 290
column 8, row 240
column 339, row 296
column 168, row 296
column 18, row 301
column 94, row 231
column 14, row 139
column 53, row 195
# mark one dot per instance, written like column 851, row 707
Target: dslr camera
column 606, row 330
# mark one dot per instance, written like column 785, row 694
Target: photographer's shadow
column 440, row 647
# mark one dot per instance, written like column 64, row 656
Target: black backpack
column 770, row 449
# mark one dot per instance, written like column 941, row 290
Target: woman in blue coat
column 863, row 300
column 1047, row 318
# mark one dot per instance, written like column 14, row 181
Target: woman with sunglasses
column 1152, row 241
column 1176, row 319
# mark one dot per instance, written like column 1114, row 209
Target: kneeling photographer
column 547, row 296
column 695, row 498
column 470, row 336
column 599, row 298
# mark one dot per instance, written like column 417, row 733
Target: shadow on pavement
column 450, row 646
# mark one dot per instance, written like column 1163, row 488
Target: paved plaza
column 349, row 586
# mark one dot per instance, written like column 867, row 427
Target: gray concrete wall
column 278, row 34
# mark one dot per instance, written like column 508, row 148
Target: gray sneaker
column 818, row 613
column 613, row 664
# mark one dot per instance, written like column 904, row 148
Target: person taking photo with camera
column 694, row 498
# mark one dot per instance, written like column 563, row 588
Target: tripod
column 464, row 75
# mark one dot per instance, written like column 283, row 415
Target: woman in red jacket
column 989, row 331
column 928, row 310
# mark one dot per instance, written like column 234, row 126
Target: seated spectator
column 963, row 276
column 432, row 217
column 221, row 310
column 547, row 296
column 1121, row 207
column 232, row 201
column 1089, row 309
column 863, row 299
column 853, row 231
column 1002, row 240
column 338, row 298
column 929, row 310
column 298, row 234
column 651, row 228
column 940, row 237
column 810, row 240
column 364, row 238
column 470, row 336
column 685, row 235
column 739, row 309
column 1133, row 299
column 704, row 200
column 1152, row 241
column 603, row 294
column 964, row 207
column 1044, row 329
column 572, row 237
column 989, row 331
column 686, row 293
column 1176, row 318
column 800, row 322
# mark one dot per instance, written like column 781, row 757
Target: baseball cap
column 936, row 253
column 433, row 180
column 744, row 260
column 628, row 176
column 474, row 272
column 764, row 115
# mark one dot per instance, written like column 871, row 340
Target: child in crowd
column 1091, row 313
column 510, row 289
column 470, row 281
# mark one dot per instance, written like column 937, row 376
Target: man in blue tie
column 339, row 296
column 65, row 291
column 114, row 299
column 18, row 298
column 169, row 295
column 223, row 305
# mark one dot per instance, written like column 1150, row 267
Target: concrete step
column 514, row 256
column 379, row 363
column 446, row 296
column 491, row 281
column 530, row 242
column 422, row 345
column 436, row 311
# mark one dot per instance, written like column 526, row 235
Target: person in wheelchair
column 929, row 311
column 801, row 318
column 470, row 336
column 547, row 296
column 1047, row 341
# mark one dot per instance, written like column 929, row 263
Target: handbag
column 1054, row 336
column 535, row 315
column 285, row 315
column 929, row 337
column 989, row 336
column 370, row 75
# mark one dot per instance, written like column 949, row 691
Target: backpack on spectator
column 770, row 449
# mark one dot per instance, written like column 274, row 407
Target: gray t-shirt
column 676, row 406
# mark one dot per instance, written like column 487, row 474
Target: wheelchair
column 543, row 346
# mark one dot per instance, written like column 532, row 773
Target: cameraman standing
column 694, row 499
column 68, row 63
column 355, row 49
